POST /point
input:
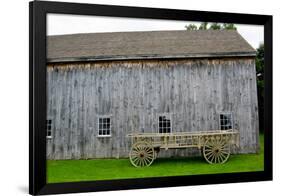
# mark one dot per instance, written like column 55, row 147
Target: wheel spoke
column 137, row 162
column 147, row 161
column 207, row 153
column 150, row 156
column 216, row 157
column 212, row 158
column 224, row 152
column 141, row 147
column 210, row 155
column 220, row 158
column 134, row 153
column 138, row 148
column 134, row 157
column 149, row 151
column 208, row 146
column 142, row 162
column 223, row 156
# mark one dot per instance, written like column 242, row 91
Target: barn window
column 225, row 121
column 104, row 127
column 49, row 128
column 164, row 124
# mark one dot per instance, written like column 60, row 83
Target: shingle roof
column 147, row 45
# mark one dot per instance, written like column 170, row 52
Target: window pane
column 227, row 123
column 169, row 124
column 48, row 124
column 107, row 132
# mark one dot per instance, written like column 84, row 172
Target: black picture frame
column 37, row 96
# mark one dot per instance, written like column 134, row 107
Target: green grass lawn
column 106, row 169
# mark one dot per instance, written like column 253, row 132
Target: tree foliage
column 260, row 83
column 260, row 68
column 203, row 26
column 191, row 27
column 229, row 26
column 214, row 26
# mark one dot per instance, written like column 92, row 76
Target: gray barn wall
column 134, row 93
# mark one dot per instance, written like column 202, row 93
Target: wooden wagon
column 215, row 145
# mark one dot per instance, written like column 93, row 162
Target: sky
column 58, row 24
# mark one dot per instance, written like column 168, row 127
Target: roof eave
column 147, row 57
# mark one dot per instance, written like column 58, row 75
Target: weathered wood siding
column 134, row 93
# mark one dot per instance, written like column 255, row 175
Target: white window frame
column 220, row 120
column 51, row 130
column 169, row 117
column 98, row 125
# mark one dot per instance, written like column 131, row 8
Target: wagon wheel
column 216, row 150
column 142, row 154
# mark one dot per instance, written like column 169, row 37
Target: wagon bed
column 215, row 144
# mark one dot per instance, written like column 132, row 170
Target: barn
column 102, row 86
